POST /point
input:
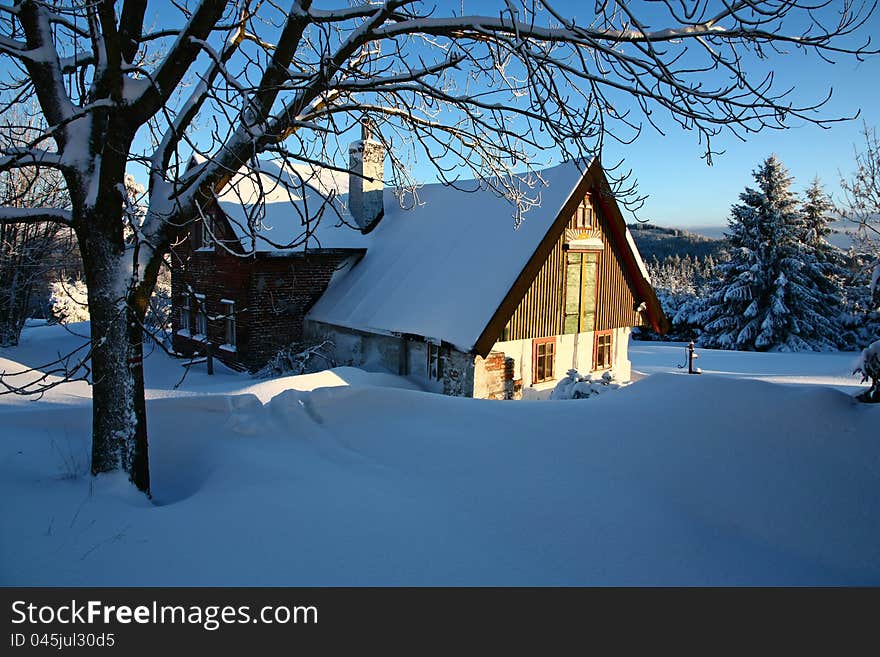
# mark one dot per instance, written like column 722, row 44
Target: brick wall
column 272, row 294
column 493, row 376
column 217, row 275
column 281, row 292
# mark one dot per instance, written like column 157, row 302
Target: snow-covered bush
column 869, row 368
column 70, row 301
column 298, row 358
column 578, row 386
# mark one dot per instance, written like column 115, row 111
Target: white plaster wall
column 573, row 351
column 622, row 365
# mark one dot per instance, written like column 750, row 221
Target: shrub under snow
column 298, row 358
column 577, row 386
column 70, row 302
column 869, row 368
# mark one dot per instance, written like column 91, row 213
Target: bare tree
column 29, row 253
column 861, row 194
column 482, row 95
column 861, row 207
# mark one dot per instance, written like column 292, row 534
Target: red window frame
column 543, row 354
column 607, row 340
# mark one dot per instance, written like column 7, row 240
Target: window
column 583, row 216
column 185, row 314
column 581, row 290
column 201, row 316
column 229, row 321
column 602, row 358
column 206, row 237
column 435, row 367
column 543, row 359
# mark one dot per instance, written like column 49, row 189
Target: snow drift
column 672, row 480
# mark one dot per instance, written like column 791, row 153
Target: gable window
column 184, row 318
column 543, row 359
column 583, row 216
column 228, row 308
column 201, row 317
column 435, row 366
column 603, row 353
column 581, row 291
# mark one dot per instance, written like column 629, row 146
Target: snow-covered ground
column 347, row 477
column 826, row 369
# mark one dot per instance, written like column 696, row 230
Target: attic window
column 583, row 216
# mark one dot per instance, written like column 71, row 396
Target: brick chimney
column 367, row 179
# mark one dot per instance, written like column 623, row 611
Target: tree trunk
column 119, row 423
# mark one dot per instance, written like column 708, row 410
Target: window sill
column 229, row 347
column 204, row 249
column 201, row 337
column 184, row 333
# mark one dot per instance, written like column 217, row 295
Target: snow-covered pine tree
column 766, row 297
column 829, row 273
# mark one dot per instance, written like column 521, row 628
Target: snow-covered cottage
column 445, row 291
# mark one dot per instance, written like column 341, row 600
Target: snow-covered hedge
column 578, row 386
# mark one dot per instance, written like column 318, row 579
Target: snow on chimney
column 367, row 179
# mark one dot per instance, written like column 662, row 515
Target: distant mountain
column 662, row 242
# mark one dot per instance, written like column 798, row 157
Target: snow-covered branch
column 180, row 57
column 34, row 215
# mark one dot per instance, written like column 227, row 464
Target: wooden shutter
column 590, row 278
column 573, row 268
column 581, row 292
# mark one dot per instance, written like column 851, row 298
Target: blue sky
column 684, row 191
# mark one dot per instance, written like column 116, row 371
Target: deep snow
column 675, row 479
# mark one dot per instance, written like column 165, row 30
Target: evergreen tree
column 767, row 296
column 828, row 273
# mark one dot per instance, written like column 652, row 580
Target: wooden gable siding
column 540, row 313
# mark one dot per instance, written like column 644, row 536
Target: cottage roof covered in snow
column 303, row 208
column 444, row 267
